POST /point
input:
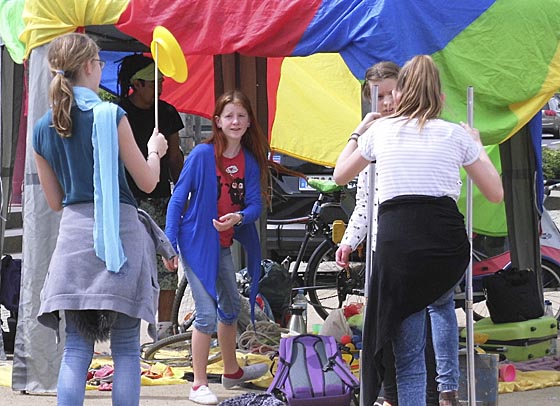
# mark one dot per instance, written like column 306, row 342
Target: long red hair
column 254, row 138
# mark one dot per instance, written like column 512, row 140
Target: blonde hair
column 420, row 87
column 66, row 56
column 378, row 72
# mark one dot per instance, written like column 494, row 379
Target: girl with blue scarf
column 217, row 199
column 102, row 273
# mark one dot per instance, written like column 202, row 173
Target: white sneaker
column 203, row 395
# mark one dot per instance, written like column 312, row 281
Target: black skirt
column 422, row 251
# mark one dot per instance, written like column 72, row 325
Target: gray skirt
column 78, row 280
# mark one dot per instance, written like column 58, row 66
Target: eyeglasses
column 101, row 63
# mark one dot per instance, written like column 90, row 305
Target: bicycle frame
column 314, row 226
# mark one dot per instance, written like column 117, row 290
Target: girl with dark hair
column 136, row 79
column 222, row 186
column 384, row 75
column 96, row 276
column 422, row 248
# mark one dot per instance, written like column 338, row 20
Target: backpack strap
column 284, row 364
column 336, row 363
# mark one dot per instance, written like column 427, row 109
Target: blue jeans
column 78, row 353
column 209, row 311
column 409, row 351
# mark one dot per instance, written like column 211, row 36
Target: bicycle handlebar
column 296, row 220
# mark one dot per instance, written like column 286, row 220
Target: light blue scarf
column 106, row 239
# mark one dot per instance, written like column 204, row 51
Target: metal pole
column 369, row 248
column 371, row 201
column 471, row 380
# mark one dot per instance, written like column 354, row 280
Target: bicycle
column 326, row 286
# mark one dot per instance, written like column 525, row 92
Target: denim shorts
column 210, row 310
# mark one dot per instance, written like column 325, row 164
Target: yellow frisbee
column 170, row 58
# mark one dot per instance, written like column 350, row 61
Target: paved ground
column 175, row 395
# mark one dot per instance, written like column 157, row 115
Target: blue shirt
column 192, row 230
column 71, row 158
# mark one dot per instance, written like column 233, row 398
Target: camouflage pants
column 157, row 209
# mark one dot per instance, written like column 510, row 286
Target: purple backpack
column 311, row 372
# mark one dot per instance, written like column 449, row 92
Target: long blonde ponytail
column 420, row 87
column 66, row 56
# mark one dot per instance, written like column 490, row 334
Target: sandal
column 106, row 387
column 449, row 398
column 104, row 374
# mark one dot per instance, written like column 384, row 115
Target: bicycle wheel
column 551, row 291
column 176, row 350
column 330, row 286
column 551, row 286
column 182, row 312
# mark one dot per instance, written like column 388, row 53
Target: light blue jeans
column 227, row 308
column 78, row 353
column 409, row 345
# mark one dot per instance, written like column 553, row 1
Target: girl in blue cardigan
column 221, row 186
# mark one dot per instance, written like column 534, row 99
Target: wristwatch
column 242, row 217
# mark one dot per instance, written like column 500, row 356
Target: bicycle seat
column 324, row 185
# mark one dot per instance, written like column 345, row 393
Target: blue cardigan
column 193, row 232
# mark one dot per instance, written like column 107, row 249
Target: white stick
column 156, row 87
column 471, row 381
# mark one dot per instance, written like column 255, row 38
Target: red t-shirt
column 231, row 191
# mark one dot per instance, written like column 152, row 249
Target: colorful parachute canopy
column 489, row 218
column 11, row 25
column 506, row 49
column 318, row 51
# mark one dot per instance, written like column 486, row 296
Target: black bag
column 10, row 283
column 276, row 286
column 512, row 295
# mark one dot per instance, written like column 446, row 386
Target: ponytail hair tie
column 59, row 71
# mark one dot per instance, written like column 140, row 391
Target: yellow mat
column 171, row 375
column 5, row 374
column 530, row 380
column 524, row 380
